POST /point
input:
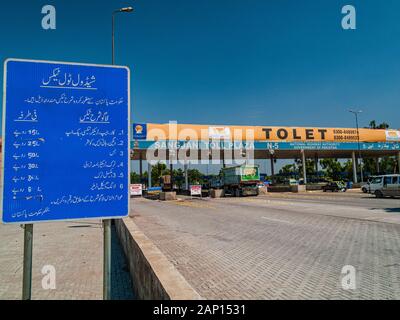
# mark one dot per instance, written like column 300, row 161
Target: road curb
column 153, row 276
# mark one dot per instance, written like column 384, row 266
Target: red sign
column 195, row 190
column 136, row 189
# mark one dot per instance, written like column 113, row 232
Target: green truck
column 241, row 180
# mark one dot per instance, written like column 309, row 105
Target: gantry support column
column 316, row 165
column 303, row 154
column 149, row 174
column 171, row 172
column 378, row 169
column 354, row 160
column 141, row 167
column 272, row 166
column 186, row 177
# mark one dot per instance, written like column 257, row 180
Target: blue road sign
column 65, row 141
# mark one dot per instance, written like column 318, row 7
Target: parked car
column 335, row 186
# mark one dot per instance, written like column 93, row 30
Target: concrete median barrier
column 218, row 193
column 153, row 276
column 168, row 196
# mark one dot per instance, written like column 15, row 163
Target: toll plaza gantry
column 201, row 144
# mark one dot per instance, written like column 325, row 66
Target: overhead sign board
column 65, row 141
column 259, row 145
column 267, row 133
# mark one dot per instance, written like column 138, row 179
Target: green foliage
column 195, row 176
column 389, row 165
column 373, row 125
column 288, row 170
column 334, row 170
column 157, row 171
column 310, row 166
column 135, row 177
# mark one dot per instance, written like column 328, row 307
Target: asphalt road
column 279, row 246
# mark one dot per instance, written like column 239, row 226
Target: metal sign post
column 27, row 269
column 107, row 259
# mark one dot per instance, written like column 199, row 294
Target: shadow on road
column 392, row 210
column 121, row 283
column 389, row 210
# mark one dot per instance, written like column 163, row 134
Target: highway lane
column 278, row 246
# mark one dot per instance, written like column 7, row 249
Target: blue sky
column 253, row 62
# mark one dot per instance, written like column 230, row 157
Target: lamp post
column 271, row 155
column 356, row 113
column 107, row 222
column 126, row 9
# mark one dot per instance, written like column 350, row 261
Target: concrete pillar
column 149, row 174
column 303, row 154
column 141, row 167
column 171, row 172
column 353, row 155
column 186, row 177
column 378, row 169
column 316, row 165
column 272, row 166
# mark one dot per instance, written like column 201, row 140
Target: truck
column 241, row 180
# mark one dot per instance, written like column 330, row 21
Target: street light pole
column 356, row 112
column 126, row 9
column 107, row 222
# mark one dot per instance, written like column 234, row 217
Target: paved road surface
column 75, row 249
column 279, row 246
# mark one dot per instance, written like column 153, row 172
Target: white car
column 374, row 183
column 365, row 188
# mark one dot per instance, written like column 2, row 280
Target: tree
column 157, row 171
column 135, row 178
column 383, row 125
column 195, row 176
column 179, row 177
column 387, row 164
column 335, row 170
column 310, row 167
column 288, row 170
column 370, row 166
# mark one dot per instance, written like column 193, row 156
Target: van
column 374, row 183
column 390, row 186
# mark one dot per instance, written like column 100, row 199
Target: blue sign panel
column 66, row 141
column 316, row 146
column 139, row 131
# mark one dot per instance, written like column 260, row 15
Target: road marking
column 191, row 204
column 277, row 220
